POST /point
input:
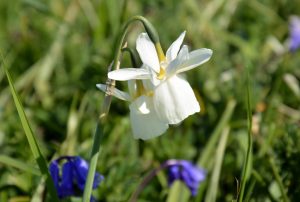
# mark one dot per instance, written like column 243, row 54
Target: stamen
column 162, row 60
column 149, row 93
column 140, row 88
column 161, row 74
column 160, row 52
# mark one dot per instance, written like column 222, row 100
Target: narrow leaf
column 30, row 137
column 247, row 168
column 214, row 180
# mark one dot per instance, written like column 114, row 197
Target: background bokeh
column 58, row 50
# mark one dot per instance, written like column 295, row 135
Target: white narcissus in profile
column 144, row 121
column 173, row 97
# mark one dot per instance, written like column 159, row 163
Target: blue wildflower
column 294, row 33
column 73, row 176
column 187, row 172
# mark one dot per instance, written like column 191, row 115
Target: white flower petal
column 129, row 73
column 147, row 51
column 189, row 61
column 183, row 53
column 141, row 104
column 145, row 126
column 173, row 66
column 148, row 85
column 115, row 92
column 174, row 100
column 174, row 48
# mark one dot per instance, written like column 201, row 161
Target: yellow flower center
column 161, row 74
column 140, row 90
column 160, row 52
column 149, row 93
column 162, row 59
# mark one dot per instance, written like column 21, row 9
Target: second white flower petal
column 174, row 100
column 175, row 47
column 189, row 61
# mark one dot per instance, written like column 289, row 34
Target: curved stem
column 118, row 51
column 107, row 100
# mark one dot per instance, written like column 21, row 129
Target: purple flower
column 73, row 176
column 294, row 33
column 187, row 172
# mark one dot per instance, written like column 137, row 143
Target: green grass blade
column 247, row 168
column 210, row 146
column 19, row 164
column 178, row 192
column 212, row 191
column 93, row 163
column 30, row 137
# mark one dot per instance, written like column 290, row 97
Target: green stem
column 107, row 100
column 246, row 167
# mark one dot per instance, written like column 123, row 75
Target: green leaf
column 30, row 137
column 178, row 192
column 248, row 161
column 214, row 180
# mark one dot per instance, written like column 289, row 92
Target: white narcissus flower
column 145, row 123
column 173, row 97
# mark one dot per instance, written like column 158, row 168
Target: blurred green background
column 58, row 50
